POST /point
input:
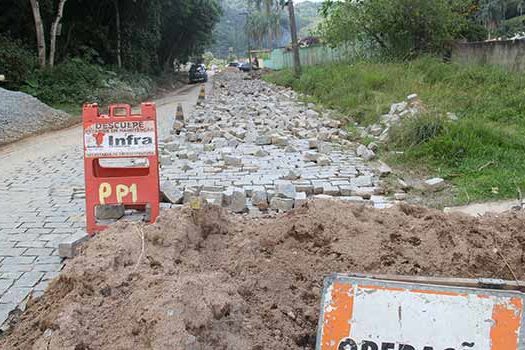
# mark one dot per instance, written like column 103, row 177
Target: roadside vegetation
column 408, row 45
column 66, row 52
column 483, row 153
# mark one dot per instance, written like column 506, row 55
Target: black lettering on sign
column 406, row 347
column 388, row 346
column 468, row 345
column 347, row 344
column 369, row 345
column 121, row 141
column 147, row 141
column 428, row 348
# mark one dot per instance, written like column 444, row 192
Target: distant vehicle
column 233, row 64
column 245, row 67
column 198, row 74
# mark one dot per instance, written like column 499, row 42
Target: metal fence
column 282, row 58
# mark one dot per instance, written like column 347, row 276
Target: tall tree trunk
column 119, row 34
column 54, row 30
column 270, row 26
column 40, row 36
column 295, row 40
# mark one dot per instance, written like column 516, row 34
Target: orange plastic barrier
column 112, row 143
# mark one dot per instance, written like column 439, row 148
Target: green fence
column 283, row 58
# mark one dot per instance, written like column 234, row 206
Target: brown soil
column 211, row 280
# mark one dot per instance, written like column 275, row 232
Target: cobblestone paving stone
column 258, row 138
column 251, row 147
column 40, row 206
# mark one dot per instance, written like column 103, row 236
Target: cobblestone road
column 251, row 147
column 42, row 203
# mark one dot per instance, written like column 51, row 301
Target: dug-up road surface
column 251, row 147
column 42, row 202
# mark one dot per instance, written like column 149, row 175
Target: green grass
column 483, row 153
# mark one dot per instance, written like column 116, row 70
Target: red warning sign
column 121, row 161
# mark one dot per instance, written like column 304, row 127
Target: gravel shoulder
column 22, row 115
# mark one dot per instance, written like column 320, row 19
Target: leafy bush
column 511, row 27
column 402, row 28
column 75, row 82
column 16, row 61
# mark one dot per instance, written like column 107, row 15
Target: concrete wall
column 507, row 53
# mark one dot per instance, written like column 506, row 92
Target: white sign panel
column 120, row 139
column 366, row 314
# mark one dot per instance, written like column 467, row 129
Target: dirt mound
column 209, row 280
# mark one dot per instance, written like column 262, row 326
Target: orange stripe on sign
column 336, row 322
column 389, row 289
column 504, row 334
column 438, row 292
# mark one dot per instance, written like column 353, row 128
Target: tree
column 136, row 35
column 520, row 7
column 263, row 23
column 39, row 30
column 54, row 30
column 295, row 40
column 402, row 28
column 119, row 33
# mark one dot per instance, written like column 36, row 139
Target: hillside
column 231, row 34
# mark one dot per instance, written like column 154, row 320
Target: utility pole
column 295, row 41
column 246, row 14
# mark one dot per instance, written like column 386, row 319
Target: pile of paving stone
column 412, row 107
column 254, row 147
column 22, row 115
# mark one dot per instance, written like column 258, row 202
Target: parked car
column 233, row 64
column 198, row 74
column 245, row 67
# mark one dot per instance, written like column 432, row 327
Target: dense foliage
column 399, row 27
column 152, row 33
column 16, row 60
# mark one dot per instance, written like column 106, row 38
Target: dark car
column 233, row 64
column 198, row 74
column 245, row 67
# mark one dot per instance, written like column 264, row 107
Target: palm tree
column 264, row 22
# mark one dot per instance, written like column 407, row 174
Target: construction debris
column 250, row 135
column 204, row 279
